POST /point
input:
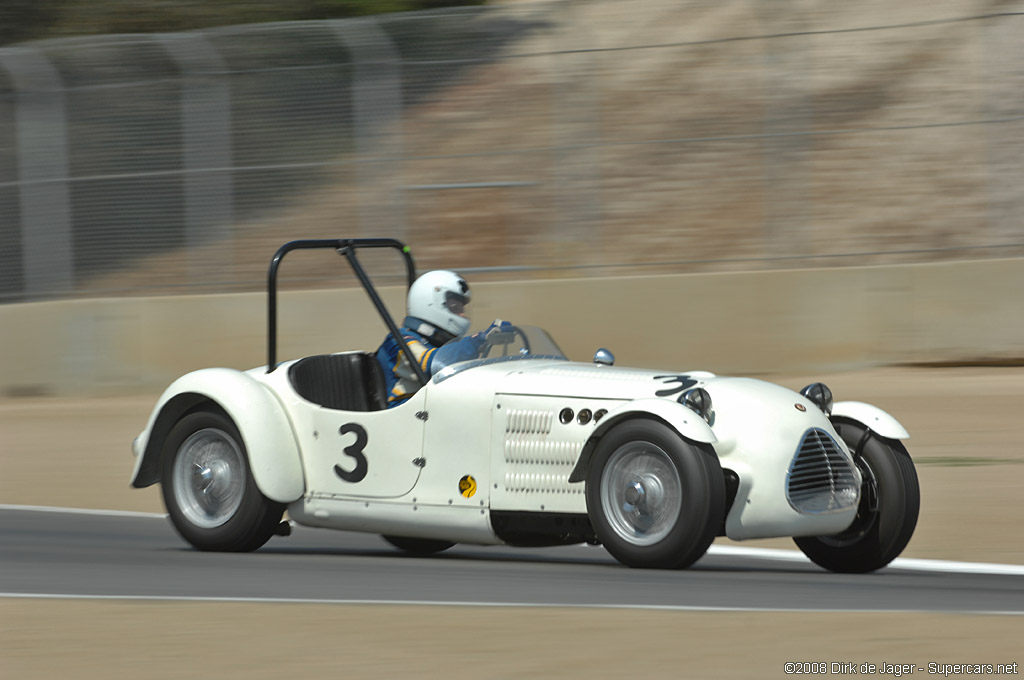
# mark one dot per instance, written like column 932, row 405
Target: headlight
column 699, row 401
column 820, row 395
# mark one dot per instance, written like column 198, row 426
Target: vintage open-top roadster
column 521, row 446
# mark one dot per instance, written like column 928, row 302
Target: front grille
column 821, row 478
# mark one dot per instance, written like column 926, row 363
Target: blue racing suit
column 400, row 379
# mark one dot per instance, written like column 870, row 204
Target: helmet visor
column 455, row 303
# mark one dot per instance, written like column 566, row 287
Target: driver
column 434, row 329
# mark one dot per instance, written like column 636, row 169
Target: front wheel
column 209, row 493
column 655, row 500
column 888, row 509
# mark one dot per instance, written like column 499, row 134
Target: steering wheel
column 505, row 339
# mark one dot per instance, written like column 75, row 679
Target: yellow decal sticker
column 467, row 486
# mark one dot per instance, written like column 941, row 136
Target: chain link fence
column 531, row 139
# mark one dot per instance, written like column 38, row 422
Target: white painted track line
column 915, row 564
column 81, row 511
column 944, row 566
column 503, row 605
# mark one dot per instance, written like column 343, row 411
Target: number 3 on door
column 355, row 451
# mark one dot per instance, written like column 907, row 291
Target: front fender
column 684, row 421
column 871, row 417
column 266, row 431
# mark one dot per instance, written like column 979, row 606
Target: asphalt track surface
column 55, row 554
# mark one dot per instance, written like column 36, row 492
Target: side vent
column 536, row 462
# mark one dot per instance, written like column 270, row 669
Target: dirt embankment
column 700, row 133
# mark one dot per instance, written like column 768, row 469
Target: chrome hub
column 635, row 495
column 209, row 478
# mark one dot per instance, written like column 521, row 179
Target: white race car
column 523, row 447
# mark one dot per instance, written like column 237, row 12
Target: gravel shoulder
column 44, row 639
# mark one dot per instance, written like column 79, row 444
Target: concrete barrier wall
column 750, row 323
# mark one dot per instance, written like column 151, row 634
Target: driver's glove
column 492, row 333
column 497, row 326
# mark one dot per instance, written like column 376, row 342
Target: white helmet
column 439, row 298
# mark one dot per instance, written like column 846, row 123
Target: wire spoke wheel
column 641, row 493
column 209, row 478
column 208, row 488
column 655, row 499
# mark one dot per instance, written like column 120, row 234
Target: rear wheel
column 208, row 490
column 655, row 500
column 418, row 546
column 887, row 514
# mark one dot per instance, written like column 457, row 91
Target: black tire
column 878, row 534
column 210, row 495
column 655, row 500
column 418, row 546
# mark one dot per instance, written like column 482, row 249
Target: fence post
column 206, row 147
column 785, row 148
column 43, row 171
column 1003, row 65
column 377, row 124
column 578, row 224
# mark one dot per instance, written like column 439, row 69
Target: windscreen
column 522, row 343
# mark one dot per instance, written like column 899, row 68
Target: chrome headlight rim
column 698, row 400
column 820, row 395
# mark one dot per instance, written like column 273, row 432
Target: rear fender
column 871, row 417
column 681, row 419
column 266, row 431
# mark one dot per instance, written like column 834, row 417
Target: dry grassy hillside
column 655, row 131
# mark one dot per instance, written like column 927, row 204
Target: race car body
column 521, row 446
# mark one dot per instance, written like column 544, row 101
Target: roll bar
column 348, row 248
